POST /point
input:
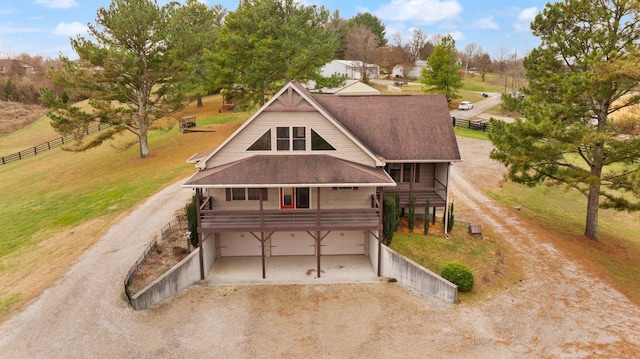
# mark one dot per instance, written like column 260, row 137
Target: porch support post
column 318, row 239
column 200, row 239
column 446, row 203
column 381, row 201
column 262, row 240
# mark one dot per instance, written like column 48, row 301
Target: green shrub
column 459, row 275
column 192, row 220
column 389, row 219
column 451, row 218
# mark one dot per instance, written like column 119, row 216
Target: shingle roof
column 398, row 127
column 279, row 170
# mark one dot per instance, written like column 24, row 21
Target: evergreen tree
column 578, row 77
column 130, row 71
column 267, row 42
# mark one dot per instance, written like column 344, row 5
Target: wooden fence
column 32, row 151
column 481, row 125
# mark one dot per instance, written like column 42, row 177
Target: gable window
column 291, row 138
column 282, row 138
column 318, row 143
column 263, row 143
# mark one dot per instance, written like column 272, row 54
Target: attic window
column 319, row 144
column 262, row 144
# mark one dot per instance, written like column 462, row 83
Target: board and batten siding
column 236, row 149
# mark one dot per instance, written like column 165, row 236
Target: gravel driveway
column 558, row 310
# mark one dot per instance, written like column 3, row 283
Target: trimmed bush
column 459, row 275
column 389, row 219
column 192, row 220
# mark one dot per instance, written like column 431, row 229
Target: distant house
column 307, row 173
column 12, row 66
column 411, row 73
column 349, row 88
column 350, row 69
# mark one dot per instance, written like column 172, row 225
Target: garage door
column 343, row 243
column 239, row 245
column 292, row 244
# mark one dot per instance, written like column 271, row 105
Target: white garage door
column 292, row 244
column 343, row 243
column 239, row 245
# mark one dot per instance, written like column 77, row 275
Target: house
column 12, row 66
column 307, row 173
column 349, row 88
column 410, row 73
column 349, row 68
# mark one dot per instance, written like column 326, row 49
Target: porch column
column 262, row 240
column 318, row 231
column 200, row 239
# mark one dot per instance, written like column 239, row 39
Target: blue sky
column 43, row 27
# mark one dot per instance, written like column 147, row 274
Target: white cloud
column 457, row 35
column 524, row 19
column 58, row 4
column 424, row 12
column 486, row 23
column 71, row 29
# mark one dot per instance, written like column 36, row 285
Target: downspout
column 380, row 201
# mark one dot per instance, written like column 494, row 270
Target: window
column 318, row 143
column 395, row 171
column 291, row 138
column 245, row 194
column 401, row 172
column 238, row 194
column 263, row 143
column 299, row 139
column 282, row 138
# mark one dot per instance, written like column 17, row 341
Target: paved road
column 478, row 107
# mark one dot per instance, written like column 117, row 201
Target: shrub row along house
column 307, row 173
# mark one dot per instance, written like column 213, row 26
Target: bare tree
column 389, row 56
column 470, row 51
column 514, row 73
column 360, row 46
column 416, row 43
column 501, row 58
column 482, row 62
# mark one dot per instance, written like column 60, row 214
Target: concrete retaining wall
column 176, row 279
column 411, row 274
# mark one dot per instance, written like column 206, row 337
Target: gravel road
column 557, row 311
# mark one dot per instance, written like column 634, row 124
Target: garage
column 343, row 243
column 236, row 244
column 292, row 244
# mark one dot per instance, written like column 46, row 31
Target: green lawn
column 47, row 197
column 490, row 259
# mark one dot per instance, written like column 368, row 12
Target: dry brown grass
column 15, row 115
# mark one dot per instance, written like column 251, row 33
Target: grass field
column 58, row 203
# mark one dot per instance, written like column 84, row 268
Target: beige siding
column 237, row 148
column 339, row 198
column 346, row 198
